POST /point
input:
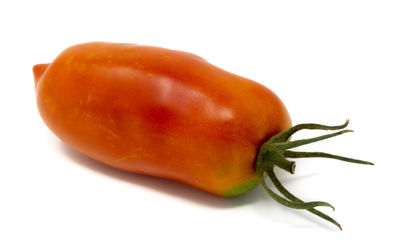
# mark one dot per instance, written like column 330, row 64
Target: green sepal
column 274, row 152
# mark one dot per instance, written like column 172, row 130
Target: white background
column 327, row 60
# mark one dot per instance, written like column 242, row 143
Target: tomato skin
column 159, row 112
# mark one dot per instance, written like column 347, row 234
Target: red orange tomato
column 173, row 115
column 159, row 112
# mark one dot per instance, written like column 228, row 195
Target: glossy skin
column 159, row 112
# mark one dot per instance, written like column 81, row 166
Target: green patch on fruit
column 240, row 188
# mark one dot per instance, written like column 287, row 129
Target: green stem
column 274, row 152
column 284, row 191
column 285, row 135
column 287, row 203
column 291, row 197
column 277, row 159
column 293, row 154
column 297, row 143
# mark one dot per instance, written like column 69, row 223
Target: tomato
column 159, row 112
column 171, row 114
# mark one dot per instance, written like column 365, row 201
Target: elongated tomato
column 173, row 115
column 159, row 112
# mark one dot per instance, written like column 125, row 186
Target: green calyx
column 275, row 152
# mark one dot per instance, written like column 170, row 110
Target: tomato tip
column 38, row 71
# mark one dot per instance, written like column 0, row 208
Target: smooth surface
column 327, row 61
column 159, row 112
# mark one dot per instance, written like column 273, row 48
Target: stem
column 290, row 196
column 274, row 152
column 287, row 203
column 285, row 135
column 277, row 159
column 297, row 143
column 285, row 192
column 293, row 154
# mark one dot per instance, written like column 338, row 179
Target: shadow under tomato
column 164, row 185
column 256, row 197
